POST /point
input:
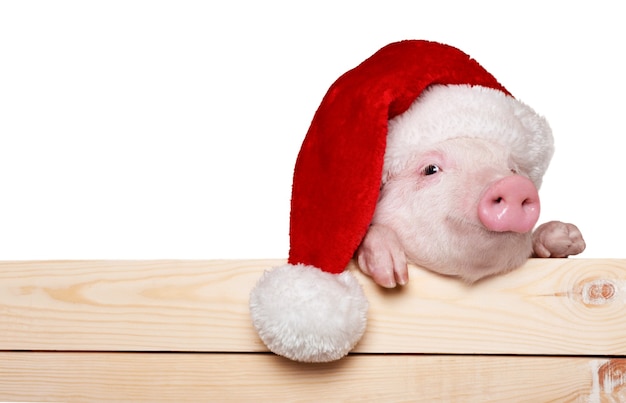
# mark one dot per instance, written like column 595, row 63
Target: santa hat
column 310, row 309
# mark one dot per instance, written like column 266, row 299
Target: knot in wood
column 612, row 375
column 598, row 292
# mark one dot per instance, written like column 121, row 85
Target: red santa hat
column 311, row 309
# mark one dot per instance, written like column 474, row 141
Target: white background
column 169, row 129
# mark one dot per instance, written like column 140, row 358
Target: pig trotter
column 557, row 239
column 381, row 256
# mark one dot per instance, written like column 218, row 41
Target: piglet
column 464, row 206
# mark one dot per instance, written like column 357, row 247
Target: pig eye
column 431, row 169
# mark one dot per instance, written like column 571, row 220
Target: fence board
column 47, row 376
column 547, row 307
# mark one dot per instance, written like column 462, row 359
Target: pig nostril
column 498, row 200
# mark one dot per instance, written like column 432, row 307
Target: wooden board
column 135, row 377
column 554, row 330
column 547, row 307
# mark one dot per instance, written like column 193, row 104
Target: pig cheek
column 422, row 219
column 399, row 209
column 444, row 241
column 417, row 212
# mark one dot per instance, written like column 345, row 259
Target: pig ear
column 305, row 314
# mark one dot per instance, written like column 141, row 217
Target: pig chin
column 472, row 252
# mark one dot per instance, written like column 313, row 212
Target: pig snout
column 510, row 204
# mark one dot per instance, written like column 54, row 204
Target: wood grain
column 128, row 305
column 547, row 307
column 156, row 377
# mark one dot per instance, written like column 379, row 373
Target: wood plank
column 128, row 305
column 263, row 377
column 549, row 306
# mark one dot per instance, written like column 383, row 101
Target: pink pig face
column 461, row 208
column 459, row 192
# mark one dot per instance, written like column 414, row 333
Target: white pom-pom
column 305, row 314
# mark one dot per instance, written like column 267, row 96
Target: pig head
column 459, row 194
column 417, row 155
